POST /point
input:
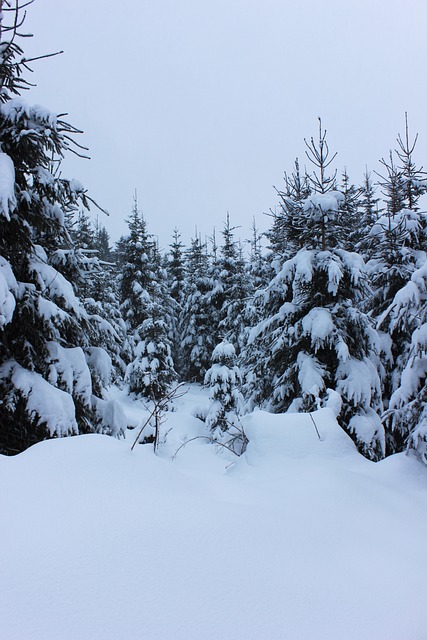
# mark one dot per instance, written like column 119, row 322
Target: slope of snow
column 301, row 538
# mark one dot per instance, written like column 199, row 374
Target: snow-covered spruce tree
column 406, row 416
column 259, row 272
column 151, row 373
column 403, row 303
column 176, row 268
column 175, row 277
column 104, row 303
column 230, row 288
column 195, row 328
column 317, row 339
column 352, row 213
column 258, row 376
column 286, row 236
column 224, row 380
column 145, row 308
column 399, row 244
column 414, row 178
column 78, row 259
column 137, row 272
column 289, row 230
column 102, row 243
column 369, row 215
column 258, row 275
column 94, row 283
column 394, row 240
column 398, row 237
column 81, row 231
column 47, row 361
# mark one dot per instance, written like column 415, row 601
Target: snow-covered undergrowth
column 301, row 538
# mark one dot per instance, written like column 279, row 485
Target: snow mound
column 301, row 538
column 295, row 435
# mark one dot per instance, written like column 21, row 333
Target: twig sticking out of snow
column 211, row 440
column 315, row 426
column 160, row 406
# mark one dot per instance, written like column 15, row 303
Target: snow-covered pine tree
column 259, row 271
column 102, row 243
column 175, row 268
column 94, row 282
column 352, row 213
column 406, row 417
column 286, row 236
column 136, row 269
column 392, row 239
column 224, row 379
column 78, row 260
column 398, row 237
column 152, row 372
column 289, row 230
column 146, row 311
column 399, row 244
column 369, row 215
column 399, row 272
column 195, row 329
column 175, row 275
column 312, row 337
column 48, row 385
column 81, row 231
column 413, row 177
column 258, row 376
column 230, row 288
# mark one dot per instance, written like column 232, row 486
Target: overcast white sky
column 201, row 105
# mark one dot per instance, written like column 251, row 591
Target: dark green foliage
column 46, row 333
column 197, row 340
column 146, row 307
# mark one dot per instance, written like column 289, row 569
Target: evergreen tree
column 197, row 340
column 175, row 268
column 138, row 273
column 151, row 373
column 289, row 231
column 102, row 243
column 229, row 289
column 52, row 381
column 146, row 311
column 413, row 177
column 406, row 320
column 82, row 233
column 259, row 271
column 369, row 216
column 399, row 249
column 351, row 213
column 312, row 338
column 80, row 264
column 95, row 282
column 175, row 273
column 224, row 380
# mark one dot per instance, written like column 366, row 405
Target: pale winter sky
column 201, row 105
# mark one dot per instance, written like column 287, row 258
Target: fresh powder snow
column 300, row 538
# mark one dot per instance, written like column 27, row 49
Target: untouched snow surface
column 299, row 539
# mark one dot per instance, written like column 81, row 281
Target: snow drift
column 301, row 537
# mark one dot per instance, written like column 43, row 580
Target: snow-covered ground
column 299, row 539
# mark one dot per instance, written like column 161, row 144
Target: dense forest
column 328, row 308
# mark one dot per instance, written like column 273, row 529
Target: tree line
column 328, row 308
